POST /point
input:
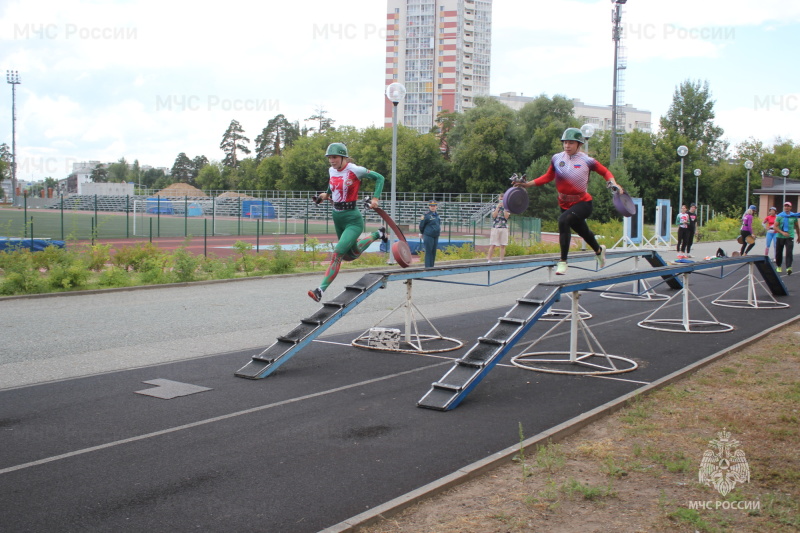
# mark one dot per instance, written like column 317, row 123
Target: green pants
column 349, row 225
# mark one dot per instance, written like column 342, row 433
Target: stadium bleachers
column 407, row 212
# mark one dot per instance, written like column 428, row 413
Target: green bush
column 22, row 283
column 52, row 257
column 155, row 270
column 74, row 276
column 114, row 277
column 98, row 256
column 282, row 261
column 185, row 265
column 136, row 257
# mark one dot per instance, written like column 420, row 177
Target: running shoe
column 789, row 271
column 601, row 257
column 315, row 295
column 561, row 268
column 779, row 269
column 382, row 234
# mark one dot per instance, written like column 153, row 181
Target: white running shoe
column 561, row 268
column 601, row 257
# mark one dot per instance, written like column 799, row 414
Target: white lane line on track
column 210, row 420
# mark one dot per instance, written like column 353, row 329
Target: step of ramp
column 468, row 371
column 285, row 346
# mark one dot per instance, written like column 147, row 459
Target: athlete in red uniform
column 570, row 169
column 343, row 185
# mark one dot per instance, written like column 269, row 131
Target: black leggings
column 683, row 239
column 746, row 247
column 574, row 218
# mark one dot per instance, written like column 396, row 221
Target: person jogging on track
column 570, row 169
column 343, row 185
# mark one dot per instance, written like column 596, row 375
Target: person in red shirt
column 570, row 169
column 769, row 225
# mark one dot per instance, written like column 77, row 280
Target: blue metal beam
column 467, row 372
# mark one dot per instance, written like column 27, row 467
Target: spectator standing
column 769, row 227
column 786, row 227
column 498, row 237
column 692, row 229
column 682, row 221
column 430, row 228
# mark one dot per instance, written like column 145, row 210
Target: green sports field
column 82, row 225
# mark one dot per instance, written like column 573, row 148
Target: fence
column 85, row 217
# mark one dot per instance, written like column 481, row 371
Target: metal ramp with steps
column 468, row 371
column 310, row 328
column 286, row 346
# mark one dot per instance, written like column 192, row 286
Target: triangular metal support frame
column 580, row 361
column 412, row 340
column 751, row 301
column 640, row 290
column 626, row 242
column 685, row 324
column 557, row 315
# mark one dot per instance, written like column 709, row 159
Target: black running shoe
column 315, row 295
column 382, row 234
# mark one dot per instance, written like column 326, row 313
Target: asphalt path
column 333, row 433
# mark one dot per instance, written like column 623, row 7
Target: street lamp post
column 784, row 173
column 682, row 151
column 395, row 92
column 587, row 130
column 697, row 173
column 12, row 77
column 748, row 165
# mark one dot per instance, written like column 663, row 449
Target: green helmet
column 338, row 149
column 572, row 134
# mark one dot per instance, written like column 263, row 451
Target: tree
column 305, row 166
column 485, row 147
column 5, row 162
column 543, row 121
column 278, row 134
column 118, row 172
column 210, row 177
column 135, row 173
column 99, row 174
column 197, row 165
column 325, row 123
column 691, row 116
column 152, row 177
column 233, row 141
column 183, row 169
column 269, row 173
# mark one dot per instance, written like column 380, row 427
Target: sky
column 147, row 80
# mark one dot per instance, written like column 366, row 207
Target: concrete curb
column 554, row 434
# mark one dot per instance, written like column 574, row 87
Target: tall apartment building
column 440, row 51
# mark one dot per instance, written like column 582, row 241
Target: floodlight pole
column 12, row 77
column 616, row 35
